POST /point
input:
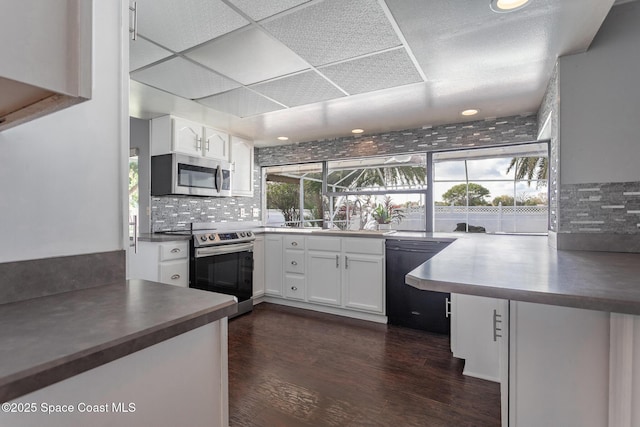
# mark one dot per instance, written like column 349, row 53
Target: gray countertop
column 160, row 237
column 526, row 268
column 48, row 339
column 384, row 234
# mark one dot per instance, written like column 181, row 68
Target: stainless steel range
column 222, row 261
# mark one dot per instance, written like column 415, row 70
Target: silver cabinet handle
column 175, row 250
column 293, row 288
column 198, row 143
column 135, row 234
column 447, row 307
column 497, row 322
column 175, row 277
column 134, row 31
column 207, row 146
column 337, row 261
column 294, row 263
column 294, row 243
column 346, row 262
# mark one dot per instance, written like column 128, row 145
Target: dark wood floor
column 290, row 367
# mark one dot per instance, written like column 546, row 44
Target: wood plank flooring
column 291, row 367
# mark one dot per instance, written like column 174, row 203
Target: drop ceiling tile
column 240, row 102
column 180, row 25
column 142, row 52
column 375, row 72
column 335, row 30
column 299, row 89
column 249, row 56
column 183, row 78
column 258, row 10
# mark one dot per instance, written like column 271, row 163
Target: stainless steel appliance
column 178, row 174
column 222, row 261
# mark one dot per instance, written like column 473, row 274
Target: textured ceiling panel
column 375, row 72
column 258, row 10
column 248, row 56
column 240, row 102
column 299, row 89
column 183, row 78
column 335, row 30
column 180, row 25
column 142, row 52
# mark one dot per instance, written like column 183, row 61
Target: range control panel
column 210, row 239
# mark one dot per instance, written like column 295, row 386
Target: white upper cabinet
column 187, row 137
column 46, row 57
column 241, row 167
column 215, row 144
column 173, row 134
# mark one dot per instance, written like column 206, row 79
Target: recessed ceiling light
column 283, row 138
column 357, row 131
column 470, row 112
column 502, row 6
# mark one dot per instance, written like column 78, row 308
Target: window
column 293, row 189
column 501, row 189
column 387, row 192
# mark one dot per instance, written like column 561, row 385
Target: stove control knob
column 242, row 234
column 249, row 234
column 212, row 237
column 203, row 238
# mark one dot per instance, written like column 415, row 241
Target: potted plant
column 386, row 213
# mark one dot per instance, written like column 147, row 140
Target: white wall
column 600, row 104
column 62, row 175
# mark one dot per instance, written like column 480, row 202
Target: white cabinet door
column 258, row 267
column 559, row 370
column 274, row 276
column 294, row 286
column 174, row 273
column 363, row 281
column 472, row 337
column 216, row 144
column 241, row 167
column 324, row 282
column 187, row 137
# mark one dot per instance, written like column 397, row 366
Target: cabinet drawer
column 294, row 261
column 294, row 286
column 174, row 273
column 324, row 244
column 371, row 246
column 173, row 250
column 294, row 242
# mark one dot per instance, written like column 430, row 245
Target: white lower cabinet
column 480, row 336
column 559, row 371
column 165, row 262
column 324, row 284
column 258, row 267
column 363, row 282
column 344, row 274
column 273, row 268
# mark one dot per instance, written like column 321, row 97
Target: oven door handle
column 224, row 249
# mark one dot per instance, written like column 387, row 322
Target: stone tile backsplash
column 600, row 208
column 427, row 138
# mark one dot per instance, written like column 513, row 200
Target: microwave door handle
column 218, row 179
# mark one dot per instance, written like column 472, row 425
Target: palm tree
column 531, row 168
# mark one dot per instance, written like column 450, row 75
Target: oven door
column 227, row 269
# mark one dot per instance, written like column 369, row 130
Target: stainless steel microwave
column 179, row 174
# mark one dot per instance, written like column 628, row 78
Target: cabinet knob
column 175, row 250
column 294, row 263
column 175, row 277
column 293, row 288
column 294, row 243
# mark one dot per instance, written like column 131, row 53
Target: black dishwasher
column 406, row 305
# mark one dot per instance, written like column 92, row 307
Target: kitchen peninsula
column 564, row 321
column 125, row 345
